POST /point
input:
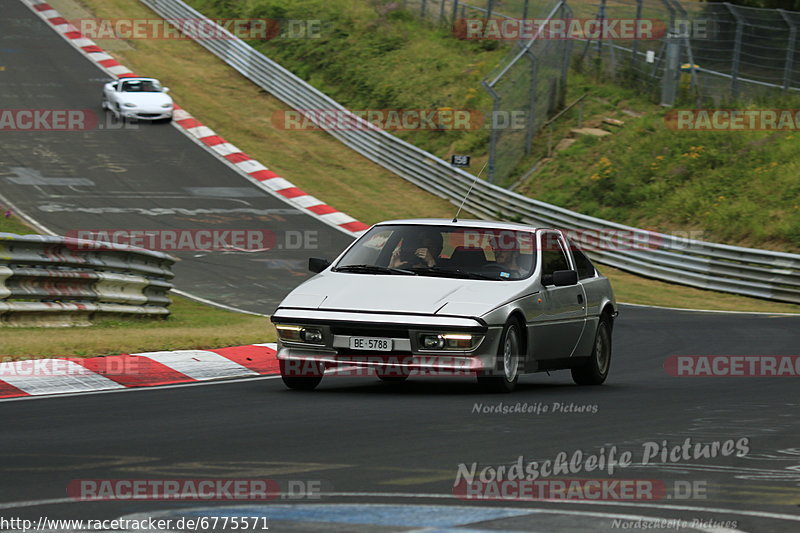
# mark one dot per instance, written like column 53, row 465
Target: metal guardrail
column 746, row 271
column 48, row 280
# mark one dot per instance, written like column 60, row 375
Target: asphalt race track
column 368, row 442
column 359, row 455
column 144, row 177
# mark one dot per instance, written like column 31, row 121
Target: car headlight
column 166, row 106
column 291, row 333
column 448, row 341
column 128, row 104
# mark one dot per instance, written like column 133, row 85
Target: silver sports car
column 488, row 299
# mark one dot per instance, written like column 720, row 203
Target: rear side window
column 583, row 265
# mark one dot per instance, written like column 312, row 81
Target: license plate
column 371, row 343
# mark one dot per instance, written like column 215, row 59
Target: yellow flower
column 594, row 177
column 659, row 157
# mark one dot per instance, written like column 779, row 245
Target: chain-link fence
column 527, row 87
column 448, row 11
column 709, row 52
column 531, row 84
column 723, row 52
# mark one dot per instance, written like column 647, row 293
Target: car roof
column 138, row 79
column 461, row 223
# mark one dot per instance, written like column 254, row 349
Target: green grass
column 12, row 224
column 191, row 325
column 375, row 55
column 733, row 187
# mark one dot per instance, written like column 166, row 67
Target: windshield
column 141, row 86
column 444, row 251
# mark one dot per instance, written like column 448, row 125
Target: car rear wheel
column 301, row 375
column 595, row 371
column 508, row 361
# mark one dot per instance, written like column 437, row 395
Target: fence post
column 669, row 82
column 493, row 131
column 737, row 51
column 525, row 10
column 441, row 11
column 566, row 13
column 601, row 15
column 635, row 46
column 531, row 102
column 787, row 68
column 455, row 10
column 489, row 6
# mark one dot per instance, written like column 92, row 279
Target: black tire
column 508, row 362
column 595, row 371
column 392, row 379
column 392, row 374
column 307, row 377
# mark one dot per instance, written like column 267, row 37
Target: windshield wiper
column 373, row 269
column 452, row 273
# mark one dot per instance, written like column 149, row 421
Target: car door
column 563, row 316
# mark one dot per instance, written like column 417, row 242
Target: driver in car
column 507, row 257
column 419, row 252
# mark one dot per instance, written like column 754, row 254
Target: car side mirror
column 165, row 89
column 317, row 265
column 564, row 278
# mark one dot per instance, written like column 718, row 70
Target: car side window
column 553, row 256
column 583, row 265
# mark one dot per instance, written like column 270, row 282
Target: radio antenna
column 455, row 218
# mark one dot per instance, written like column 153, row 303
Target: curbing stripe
column 212, row 365
column 35, row 377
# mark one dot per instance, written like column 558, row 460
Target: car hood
column 145, row 99
column 402, row 294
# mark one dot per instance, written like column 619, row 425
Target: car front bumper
column 147, row 114
column 339, row 327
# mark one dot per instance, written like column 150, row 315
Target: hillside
column 735, row 187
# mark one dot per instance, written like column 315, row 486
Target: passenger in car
column 418, row 251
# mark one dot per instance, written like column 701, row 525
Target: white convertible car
column 137, row 98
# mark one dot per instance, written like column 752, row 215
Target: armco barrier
column 60, row 281
column 747, row 271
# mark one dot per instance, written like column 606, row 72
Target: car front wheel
column 301, row 375
column 507, row 363
column 595, row 370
